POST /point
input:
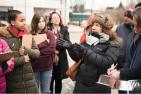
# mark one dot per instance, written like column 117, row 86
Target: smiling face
column 96, row 27
column 41, row 24
column 19, row 22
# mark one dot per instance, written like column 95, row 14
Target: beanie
column 138, row 5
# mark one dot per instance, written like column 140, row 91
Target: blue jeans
column 43, row 80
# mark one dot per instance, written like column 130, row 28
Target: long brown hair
column 137, row 18
column 34, row 23
column 49, row 24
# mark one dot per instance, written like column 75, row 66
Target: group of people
column 33, row 69
column 39, row 67
column 100, row 48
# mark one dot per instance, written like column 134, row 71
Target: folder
column 39, row 38
column 123, row 85
column 104, row 80
column 27, row 40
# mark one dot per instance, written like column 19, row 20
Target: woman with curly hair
column 100, row 51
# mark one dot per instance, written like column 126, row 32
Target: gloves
column 76, row 52
column 63, row 43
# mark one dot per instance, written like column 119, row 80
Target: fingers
column 21, row 50
column 114, row 74
column 26, row 57
column 112, row 82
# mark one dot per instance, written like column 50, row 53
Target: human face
column 137, row 28
column 55, row 19
column 19, row 22
column 41, row 24
column 96, row 27
column 128, row 20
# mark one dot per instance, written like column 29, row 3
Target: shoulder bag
column 72, row 71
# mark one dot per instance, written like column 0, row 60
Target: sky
column 99, row 4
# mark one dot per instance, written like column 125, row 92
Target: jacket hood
column 4, row 32
column 11, row 31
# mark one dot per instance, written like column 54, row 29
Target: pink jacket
column 4, row 48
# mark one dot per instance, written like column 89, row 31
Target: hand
column 76, row 52
column 26, row 58
column 22, row 50
column 56, row 52
column 63, row 43
column 114, row 83
column 67, row 44
column 114, row 80
column 114, row 73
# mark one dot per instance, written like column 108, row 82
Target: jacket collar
column 15, row 32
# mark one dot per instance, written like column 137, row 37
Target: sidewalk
column 74, row 28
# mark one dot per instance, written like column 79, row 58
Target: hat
column 90, row 20
column 129, row 13
column 105, row 21
column 138, row 5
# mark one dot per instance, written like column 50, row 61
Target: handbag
column 72, row 71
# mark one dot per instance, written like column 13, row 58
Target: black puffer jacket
column 97, row 60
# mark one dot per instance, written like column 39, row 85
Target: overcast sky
column 99, row 4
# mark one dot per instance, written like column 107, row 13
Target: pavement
column 75, row 28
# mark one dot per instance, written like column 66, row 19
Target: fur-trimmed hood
column 11, row 31
column 4, row 32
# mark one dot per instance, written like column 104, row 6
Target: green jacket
column 21, row 80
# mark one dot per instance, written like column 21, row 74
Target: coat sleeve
column 130, row 74
column 134, row 70
column 19, row 60
column 34, row 51
column 10, row 64
column 65, row 35
column 103, row 60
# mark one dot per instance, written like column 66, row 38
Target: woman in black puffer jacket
column 100, row 51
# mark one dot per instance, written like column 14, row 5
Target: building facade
column 29, row 7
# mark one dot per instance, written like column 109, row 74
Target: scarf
column 101, row 36
column 14, row 31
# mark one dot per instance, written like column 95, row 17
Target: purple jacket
column 47, row 50
column 10, row 66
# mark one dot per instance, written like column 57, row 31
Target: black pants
column 56, row 77
column 122, row 92
column 137, row 90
